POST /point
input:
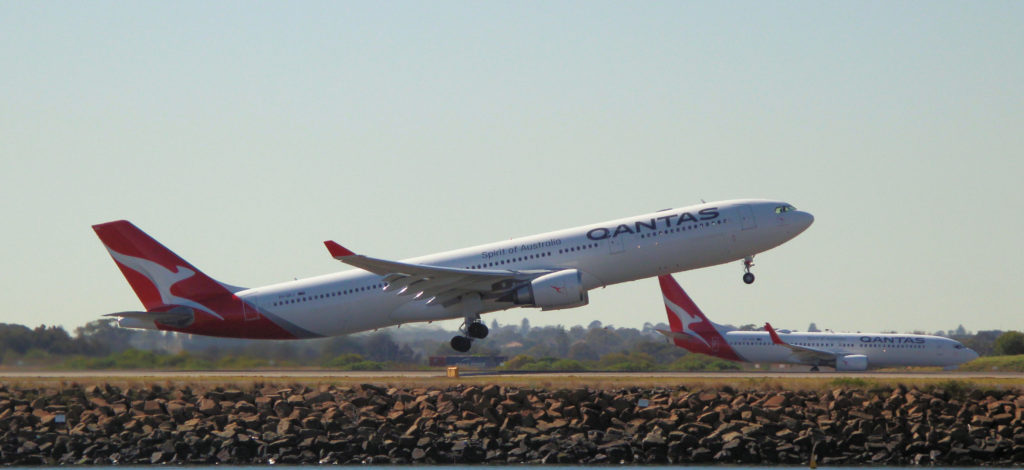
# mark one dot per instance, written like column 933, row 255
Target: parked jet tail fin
column 691, row 329
column 673, row 293
column 771, row 332
column 153, row 270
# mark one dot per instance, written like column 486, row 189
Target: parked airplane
column 550, row 271
column 693, row 331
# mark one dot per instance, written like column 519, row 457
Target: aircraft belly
column 709, row 251
column 759, row 240
column 332, row 319
column 880, row 359
column 613, row 270
column 419, row 312
column 692, row 253
column 776, row 355
column 662, row 257
column 782, row 356
column 761, row 354
column 744, row 353
column 321, row 321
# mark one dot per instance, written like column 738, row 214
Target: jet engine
column 852, row 362
column 562, row 289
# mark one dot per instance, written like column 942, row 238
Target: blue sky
column 243, row 134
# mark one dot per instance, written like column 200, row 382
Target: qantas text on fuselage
column 549, row 271
column 652, row 225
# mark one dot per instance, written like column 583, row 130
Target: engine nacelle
column 852, row 362
column 562, row 289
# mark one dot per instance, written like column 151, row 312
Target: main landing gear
column 461, row 343
column 477, row 330
column 748, row 277
column 472, row 329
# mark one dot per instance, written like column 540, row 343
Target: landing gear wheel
column 477, row 330
column 814, row 369
column 748, row 262
column 461, row 343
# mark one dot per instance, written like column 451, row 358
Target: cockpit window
column 786, row 208
column 959, row 346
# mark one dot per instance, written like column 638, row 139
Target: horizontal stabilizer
column 679, row 335
column 178, row 316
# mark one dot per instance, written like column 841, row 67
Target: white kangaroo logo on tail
column 163, row 279
column 686, row 319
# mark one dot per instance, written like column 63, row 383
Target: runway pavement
column 439, row 374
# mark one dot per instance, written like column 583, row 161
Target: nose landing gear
column 748, row 262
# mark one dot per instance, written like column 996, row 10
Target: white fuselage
column 882, row 350
column 606, row 253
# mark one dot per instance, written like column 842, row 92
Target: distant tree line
column 18, row 341
column 101, row 344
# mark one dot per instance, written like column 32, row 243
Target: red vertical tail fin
column 180, row 297
column 159, row 277
column 676, row 296
column 692, row 329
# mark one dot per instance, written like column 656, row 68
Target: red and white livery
column 550, row 271
column 690, row 329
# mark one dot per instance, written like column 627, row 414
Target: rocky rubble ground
column 467, row 424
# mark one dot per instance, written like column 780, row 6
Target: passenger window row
column 509, row 261
column 683, row 229
column 327, row 295
column 578, row 248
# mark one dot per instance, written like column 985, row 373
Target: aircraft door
column 746, row 217
column 616, row 245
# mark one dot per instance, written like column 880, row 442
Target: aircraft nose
column 971, row 354
column 803, row 220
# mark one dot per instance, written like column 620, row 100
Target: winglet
column 773, row 334
column 336, row 250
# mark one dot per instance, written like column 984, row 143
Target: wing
column 440, row 285
column 802, row 353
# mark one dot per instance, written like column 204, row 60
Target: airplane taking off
column 549, row 271
column 693, row 331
